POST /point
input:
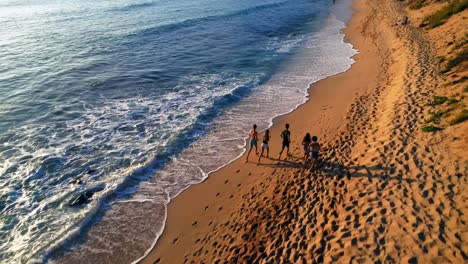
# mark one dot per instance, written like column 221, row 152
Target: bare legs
column 250, row 149
column 313, row 163
column 306, row 157
column 248, row 153
column 281, row 152
column 261, row 153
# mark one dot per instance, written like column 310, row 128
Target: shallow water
column 139, row 100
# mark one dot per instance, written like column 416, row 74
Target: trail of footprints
column 389, row 203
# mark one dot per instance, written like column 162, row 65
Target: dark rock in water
column 91, row 171
column 76, row 181
column 81, row 199
column 85, row 197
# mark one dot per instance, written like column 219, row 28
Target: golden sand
column 384, row 190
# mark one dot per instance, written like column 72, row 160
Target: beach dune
column 384, row 191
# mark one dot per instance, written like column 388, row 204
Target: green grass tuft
column 457, row 60
column 435, row 117
column 431, row 129
column 441, row 16
column 438, row 100
column 461, row 117
column 416, row 4
column 452, row 101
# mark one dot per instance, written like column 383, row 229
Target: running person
column 286, row 139
column 253, row 138
column 314, row 152
column 265, row 140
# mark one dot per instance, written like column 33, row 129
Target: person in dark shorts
column 253, row 139
column 265, row 146
column 306, row 143
column 286, row 140
column 314, row 152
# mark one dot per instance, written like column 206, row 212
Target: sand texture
column 384, row 191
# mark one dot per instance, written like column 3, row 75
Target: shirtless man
column 253, row 139
column 286, row 140
column 314, row 152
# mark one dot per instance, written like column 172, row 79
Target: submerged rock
column 85, row 197
column 76, row 181
column 81, row 199
column 80, row 179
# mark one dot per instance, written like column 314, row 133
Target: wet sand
column 384, row 191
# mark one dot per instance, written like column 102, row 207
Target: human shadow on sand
column 283, row 163
column 377, row 171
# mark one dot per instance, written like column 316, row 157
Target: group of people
column 310, row 145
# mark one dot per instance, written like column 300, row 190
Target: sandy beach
column 384, row 191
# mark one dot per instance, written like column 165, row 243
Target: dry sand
column 385, row 192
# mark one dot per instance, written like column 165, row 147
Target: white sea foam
column 132, row 224
column 108, row 126
column 323, row 54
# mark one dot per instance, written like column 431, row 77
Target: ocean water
column 130, row 102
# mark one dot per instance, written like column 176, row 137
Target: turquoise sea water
column 129, row 102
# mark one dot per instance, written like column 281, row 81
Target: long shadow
column 378, row 171
column 281, row 163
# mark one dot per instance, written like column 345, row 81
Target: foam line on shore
column 271, row 121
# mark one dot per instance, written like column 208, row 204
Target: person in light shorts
column 266, row 139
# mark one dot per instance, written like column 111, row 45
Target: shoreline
column 332, row 29
column 377, row 195
column 239, row 160
column 272, row 121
